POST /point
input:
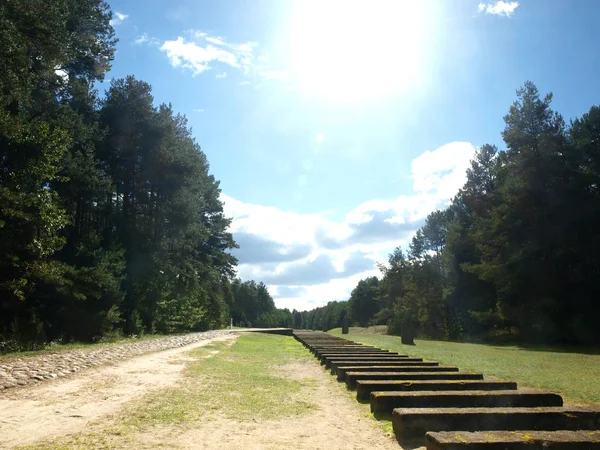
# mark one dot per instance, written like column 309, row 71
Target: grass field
column 239, row 382
column 573, row 374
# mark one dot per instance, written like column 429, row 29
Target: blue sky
column 336, row 126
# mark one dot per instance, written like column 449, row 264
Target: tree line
column 322, row 318
column 253, row 306
column 110, row 221
column 515, row 254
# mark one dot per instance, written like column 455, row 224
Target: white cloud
column 145, row 39
column 189, row 55
column 198, row 110
column 313, row 296
column 142, row 39
column 118, row 18
column 215, row 40
column 441, row 170
column 198, row 51
column 244, row 83
column 325, row 257
column 320, row 138
column 201, row 52
column 499, row 8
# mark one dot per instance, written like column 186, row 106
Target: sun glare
column 353, row 49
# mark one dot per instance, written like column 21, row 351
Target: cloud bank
column 307, row 260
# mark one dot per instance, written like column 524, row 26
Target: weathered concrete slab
column 352, row 377
column 391, row 375
column 361, row 353
column 411, row 422
column 340, row 370
column 365, row 387
column 347, row 348
column 349, row 360
column 335, row 344
column 513, row 440
column 323, row 356
column 385, row 402
column 323, row 338
column 344, row 348
column 387, row 356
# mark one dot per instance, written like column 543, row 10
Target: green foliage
column 511, row 258
column 362, row 304
column 109, row 218
column 325, row 317
column 251, row 305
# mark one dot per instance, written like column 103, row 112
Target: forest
column 110, row 221
column 514, row 257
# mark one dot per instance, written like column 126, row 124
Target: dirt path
column 339, row 423
column 65, row 406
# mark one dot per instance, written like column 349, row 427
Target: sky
column 335, row 127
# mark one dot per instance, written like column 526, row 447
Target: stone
column 340, row 369
column 352, row 377
column 365, row 387
column 386, row 402
column 411, row 422
column 513, row 440
column 324, row 357
column 349, row 361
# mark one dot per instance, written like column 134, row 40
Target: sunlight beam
column 353, row 49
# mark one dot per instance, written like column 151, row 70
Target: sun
column 354, row 49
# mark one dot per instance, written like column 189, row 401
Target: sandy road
column 66, row 406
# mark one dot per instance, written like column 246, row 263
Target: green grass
column 244, row 381
column 575, row 375
column 237, row 383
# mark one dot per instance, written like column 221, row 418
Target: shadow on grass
column 383, row 416
column 406, row 442
column 514, row 343
column 550, row 348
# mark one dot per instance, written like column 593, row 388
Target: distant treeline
column 323, row 318
column 253, row 306
column 110, row 221
column 516, row 254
